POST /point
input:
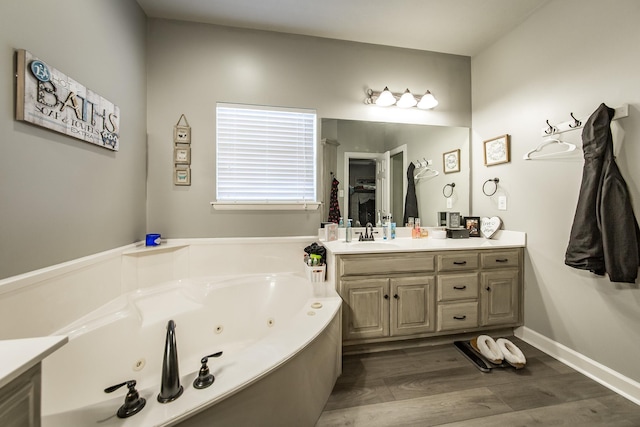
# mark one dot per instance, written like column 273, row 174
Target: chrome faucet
column 170, row 388
column 367, row 237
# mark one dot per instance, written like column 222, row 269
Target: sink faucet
column 170, row 388
column 367, row 237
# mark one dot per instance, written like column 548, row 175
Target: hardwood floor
column 438, row 386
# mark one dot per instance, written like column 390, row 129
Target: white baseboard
column 625, row 387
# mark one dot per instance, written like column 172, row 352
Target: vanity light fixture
column 386, row 98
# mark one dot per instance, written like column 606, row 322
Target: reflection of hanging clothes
column 605, row 236
column 334, row 207
column 411, row 202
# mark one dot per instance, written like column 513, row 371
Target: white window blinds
column 265, row 154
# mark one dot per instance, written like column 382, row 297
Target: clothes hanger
column 426, row 172
column 568, row 148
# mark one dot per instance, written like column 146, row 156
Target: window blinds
column 265, row 154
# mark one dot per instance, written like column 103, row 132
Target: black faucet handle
column 205, row 377
column 133, row 403
column 206, row 358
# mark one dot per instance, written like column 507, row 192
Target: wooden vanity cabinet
column 398, row 296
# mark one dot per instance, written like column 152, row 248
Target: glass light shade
column 428, row 101
column 386, row 98
column 407, row 100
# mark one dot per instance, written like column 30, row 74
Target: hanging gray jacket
column 605, row 236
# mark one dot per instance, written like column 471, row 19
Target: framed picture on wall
column 182, row 176
column 496, row 150
column 182, row 155
column 451, row 161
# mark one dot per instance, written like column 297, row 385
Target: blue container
column 153, row 240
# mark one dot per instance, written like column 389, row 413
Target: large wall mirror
column 371, row 160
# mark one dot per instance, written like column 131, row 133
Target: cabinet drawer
column 458, row 261
column 457, row 316
column 500, row 259
column 386, row 264
column 457, row 286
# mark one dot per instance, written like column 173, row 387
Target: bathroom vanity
column 20, row 378
column 420, row 288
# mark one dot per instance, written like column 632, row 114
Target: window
column 265, row 155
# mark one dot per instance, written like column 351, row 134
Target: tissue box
column 457, row 233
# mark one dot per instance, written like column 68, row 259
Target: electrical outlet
column 502, row 203
column 449, row 203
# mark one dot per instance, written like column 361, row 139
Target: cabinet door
column 500, row 297
column 412, row 305
column 366, row 314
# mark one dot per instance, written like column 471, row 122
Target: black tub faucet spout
column 170, row 388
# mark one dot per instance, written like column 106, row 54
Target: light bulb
column 407, row 100
column 428, row 101
column 386, row 98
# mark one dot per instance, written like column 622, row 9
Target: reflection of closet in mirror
column 362, row 191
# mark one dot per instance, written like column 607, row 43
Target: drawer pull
column 460, row 288
column 459, row 262
column 460, row 317
column 502, row 260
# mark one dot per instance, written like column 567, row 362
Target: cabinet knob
column 488, row 288
column 396, row 296
column 386, row 297
column 460, row 317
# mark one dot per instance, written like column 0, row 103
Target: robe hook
column 551, row 129
column 576, row 123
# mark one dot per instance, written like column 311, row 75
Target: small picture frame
column 182, row 155
column 182, row 176
column 472, row 223
column 451, row 161
column 182, row 134
column 496, row 150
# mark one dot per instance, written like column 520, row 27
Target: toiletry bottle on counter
column 415, row 231
column 393, row 230
column 348, row 233
column 341, row 223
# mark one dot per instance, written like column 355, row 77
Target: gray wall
column 193, row 66
column 570, row 56
column 61, row 198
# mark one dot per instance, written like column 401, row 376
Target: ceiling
column 462, row 27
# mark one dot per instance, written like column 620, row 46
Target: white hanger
column 424, row 171
column 569, row 147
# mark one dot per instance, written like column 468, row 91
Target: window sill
column 265, row 206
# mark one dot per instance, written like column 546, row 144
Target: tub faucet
column 170, row 388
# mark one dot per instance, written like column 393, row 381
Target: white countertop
column 502, row 239
column 18, row 356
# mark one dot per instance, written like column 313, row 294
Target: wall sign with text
column 48, row 98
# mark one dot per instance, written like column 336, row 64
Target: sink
column 373, row 245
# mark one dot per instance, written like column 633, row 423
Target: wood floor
column 438, row 386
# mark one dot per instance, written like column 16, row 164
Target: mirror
column 389, row 149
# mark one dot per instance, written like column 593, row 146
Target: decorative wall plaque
column 48, row 98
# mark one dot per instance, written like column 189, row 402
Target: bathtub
column 279, row 334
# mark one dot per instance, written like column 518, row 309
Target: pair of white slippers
column 497, row 351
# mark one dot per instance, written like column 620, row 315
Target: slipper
column 486, row 346
column 512, row 354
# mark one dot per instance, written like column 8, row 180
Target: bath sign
column 48, row 98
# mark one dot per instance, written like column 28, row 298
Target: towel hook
column 576, row 123
column 444, row 189
column 551, row 129
column 495, row 182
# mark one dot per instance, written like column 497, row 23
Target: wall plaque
column 48, row 98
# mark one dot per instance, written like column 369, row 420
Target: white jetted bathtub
column 279, row 334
